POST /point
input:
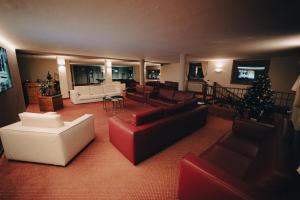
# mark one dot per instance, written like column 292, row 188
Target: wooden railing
column 216, row 93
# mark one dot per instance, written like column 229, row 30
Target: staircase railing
column 216, row 93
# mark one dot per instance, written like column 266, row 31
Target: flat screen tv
column 5, row 78
column 247, row 71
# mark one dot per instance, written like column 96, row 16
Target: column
column 108, row 71
column 182, row 67
column 142, row 72
column 62, row 73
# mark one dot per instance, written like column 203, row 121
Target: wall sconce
column 61, row 68
column 218, row 66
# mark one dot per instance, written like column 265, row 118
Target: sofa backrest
column 148, row 88
column 166, row 94
column 109, row 88
column 180, row 107
column 183, row 96
column 96, row 89
column 147, row 117
column 82, row 90
column 47, row 120
column 139, row 89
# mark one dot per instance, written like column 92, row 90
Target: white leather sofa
column 94, row 93
column 45, row 138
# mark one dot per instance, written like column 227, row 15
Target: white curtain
column 296, row 105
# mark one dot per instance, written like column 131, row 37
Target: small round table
column 117, row 102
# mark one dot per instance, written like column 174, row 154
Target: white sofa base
column 56, row 146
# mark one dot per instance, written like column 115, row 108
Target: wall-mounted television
column 5, row 78
column 247, row 71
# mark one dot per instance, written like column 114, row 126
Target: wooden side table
column 50, row 103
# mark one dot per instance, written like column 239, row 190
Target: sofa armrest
column 199, row 179
column 121, row 136
column 74, row 96
column 252, row 130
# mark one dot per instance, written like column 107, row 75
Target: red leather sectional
column 256, row 161
column 140, row 93
column 167, row 97
column 150, row 132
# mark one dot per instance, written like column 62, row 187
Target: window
column 153, row 74
column 87, row 74
column 122, row 73
column 246, row 71
column 195, row 72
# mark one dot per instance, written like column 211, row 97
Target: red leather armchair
column 254, row 162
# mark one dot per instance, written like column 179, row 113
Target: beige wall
column 283, row 73
column 12, row 100
column 32, row 68
column 170, row 72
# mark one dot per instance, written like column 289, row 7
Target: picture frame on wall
column 246, row 71
column 5, row 77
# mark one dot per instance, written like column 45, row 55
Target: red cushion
column 230, row 161
column 146, row 117
column 139, row 89
column 166, row 94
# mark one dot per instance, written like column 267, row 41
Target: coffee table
column 117, row 102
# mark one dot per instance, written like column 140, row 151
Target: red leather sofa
column 149, row 132
column 167, row 97
column 255, row 161
column 139, row 93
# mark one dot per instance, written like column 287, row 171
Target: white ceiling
column 157, row 30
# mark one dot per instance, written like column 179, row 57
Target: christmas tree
column 259, row 98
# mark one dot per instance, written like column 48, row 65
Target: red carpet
column 100, row 171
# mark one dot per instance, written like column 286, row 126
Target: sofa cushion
column 139, row 89
column 91, row 96
column 147, row 117
column 41, row 120
column 241, row 145
column 82, row 90
column 96, row 89
column 166, row 94
column 183, row 96
column 230, row 161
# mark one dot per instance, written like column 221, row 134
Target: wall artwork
column 5, row 78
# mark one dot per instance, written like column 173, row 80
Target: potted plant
column 49, row 87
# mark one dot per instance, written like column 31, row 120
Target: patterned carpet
column 100, row 171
